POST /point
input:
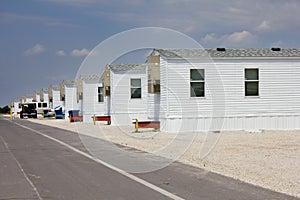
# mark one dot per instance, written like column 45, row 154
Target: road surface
column 41, row 162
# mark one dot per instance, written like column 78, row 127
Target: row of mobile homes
column 120, row 93
column 193, row 90
column 224, row 89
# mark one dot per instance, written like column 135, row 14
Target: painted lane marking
column 22, row 170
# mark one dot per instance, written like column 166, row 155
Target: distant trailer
column 68, row 96
column 93, row 101
column 54, row 96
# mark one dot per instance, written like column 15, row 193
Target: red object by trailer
column 148, row 124
column 102, row 118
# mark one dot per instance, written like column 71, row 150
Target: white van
column 41, row 106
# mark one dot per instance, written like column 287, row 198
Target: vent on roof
column 276, row 49
column 221, row 49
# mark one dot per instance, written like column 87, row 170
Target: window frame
column 192, row 94
column 251, row 81
column 131, row 87
column 100, row 94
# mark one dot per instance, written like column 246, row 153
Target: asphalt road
column 33, row 166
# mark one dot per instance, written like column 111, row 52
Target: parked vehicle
column 41, row 106
column 28, row 110
column 51, row 112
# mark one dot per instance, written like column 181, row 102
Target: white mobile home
column 44, row 96
column 36, row 96
column 69, row 96
column 94, row 100
column 237, row 89
column 22, row 99
column 16, row 107
column 28, row 98
column 54, row 96
column 128, row 91
column 79, row 92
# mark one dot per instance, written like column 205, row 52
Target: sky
column 44, row 42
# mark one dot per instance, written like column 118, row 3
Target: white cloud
column 37, row 49
column 243, row 39
column 60, row 53
column 205, row 16
column 263, row 26
column 82, row 52
column 239, row 39
column 195, row 17
column 210, row 38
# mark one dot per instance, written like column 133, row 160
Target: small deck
column 147, row 124
column 102, row 118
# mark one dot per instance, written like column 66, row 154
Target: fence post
column 10, row 114
column 136, row 125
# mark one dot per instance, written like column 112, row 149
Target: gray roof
column 55, row 87
column 69, row 83
column 127, row 67
column 89, row 77
column 228, row 53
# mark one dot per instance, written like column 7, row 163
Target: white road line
column 120, row 171
column 22, row 170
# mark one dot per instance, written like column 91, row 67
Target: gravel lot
column 270, row 159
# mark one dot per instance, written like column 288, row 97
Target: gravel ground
column 270, row 159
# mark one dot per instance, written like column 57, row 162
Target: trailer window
column 251, row 82
column 100, row 94
column 197, row 83
column 136, row 88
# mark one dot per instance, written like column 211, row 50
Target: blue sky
column 44, row 42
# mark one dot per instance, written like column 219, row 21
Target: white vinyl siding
column 56, row 99
column 70, row 99
column 124, row 109
column 279, row 94
column 90, row 100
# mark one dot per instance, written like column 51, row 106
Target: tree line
column 5, row 109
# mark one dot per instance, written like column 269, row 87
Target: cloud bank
column 80, row 52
